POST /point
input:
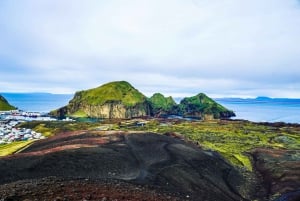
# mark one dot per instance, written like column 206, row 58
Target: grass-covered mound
column 117, row 100
column 112, row 100
column 162, row 105
column 4, row 105
column 201, row 106
column 114, row 91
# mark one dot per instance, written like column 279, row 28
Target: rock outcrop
column 114, row 100
column 4, row 105
column 203, row 107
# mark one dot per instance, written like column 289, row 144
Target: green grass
column 114, row 91
column 159, row 102
column 205, row 105
column 79, row 114
column 7, row 149
column 4, row 105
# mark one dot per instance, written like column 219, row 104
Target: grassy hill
column 161, row 104
column 114, row 91
column 4, row 105
column 112, row 100
column 121, row 100
column 201, row 104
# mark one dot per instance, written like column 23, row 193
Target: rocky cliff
column 4, row 105
column 114, row 100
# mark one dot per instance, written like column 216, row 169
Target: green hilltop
column 121, row 100
column 4, row 105
column 112, row 100
column 111, row 92
column 200, row 105
column 162, row 105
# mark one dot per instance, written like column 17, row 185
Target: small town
column 10, row 133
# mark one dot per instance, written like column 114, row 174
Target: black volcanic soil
column 280, row 171
column 58, row 189
column 135, row 161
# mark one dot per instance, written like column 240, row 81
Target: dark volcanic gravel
column 54, row 189
column 143, row 159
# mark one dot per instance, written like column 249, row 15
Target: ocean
column 264, row 109
column 258, row 110
column 37, row 102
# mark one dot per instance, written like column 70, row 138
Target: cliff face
column 110, row 110
column 203, row 107
column 115, row 100
column 4, row 105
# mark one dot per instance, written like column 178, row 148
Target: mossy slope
column 4, row 105
column 112, row 100
column 201, row 106
column 121, row 100
column 114, row 91
column 162, row 105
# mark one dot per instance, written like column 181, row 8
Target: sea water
column 264, row 109
column 37, row 102
column 258, row 110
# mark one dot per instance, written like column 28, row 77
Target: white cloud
column 178, row 46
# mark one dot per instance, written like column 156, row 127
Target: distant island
column 120, row 100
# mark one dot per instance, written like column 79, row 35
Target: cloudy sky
column 225, row 48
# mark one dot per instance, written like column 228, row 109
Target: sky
column 224, row 48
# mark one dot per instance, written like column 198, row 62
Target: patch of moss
column 7, row 149
column 79, row 114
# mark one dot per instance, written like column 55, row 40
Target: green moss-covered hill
column 120, row 100
column 112, row 100
column 162, row 105
column 201, row 106
column 4, row 105
column 114, row 91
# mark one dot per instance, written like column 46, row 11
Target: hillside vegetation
column 162, row 105
column 120, row 100
column 201, row 105
column 114, row 91
column 4, row 105
column 114, row 100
